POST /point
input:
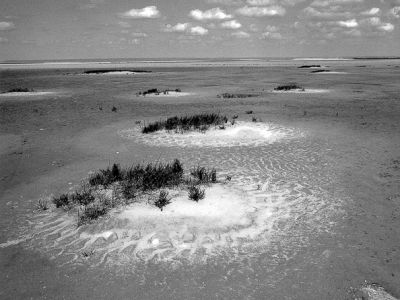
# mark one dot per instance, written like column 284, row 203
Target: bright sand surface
column 311, row 210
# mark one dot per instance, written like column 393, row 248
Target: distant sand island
column 23, row 91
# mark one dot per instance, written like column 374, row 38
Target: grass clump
column 42, row 205
column 239, row 96
column 114, row 186
column 288, row 87
column 162, row 200
column 19, row 90
column 62, row 200
column 195, row 122
column 204, row 175
column 196, row 193
column 158, row 92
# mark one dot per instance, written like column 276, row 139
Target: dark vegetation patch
column 288, row 87
column 249, row 112
column 127, row 185
column 19, row 90
column 320, row 71
column 229, row 95
column 309, row 66
column 196, row 193
column 200, row 122
column 105, row 71
column 157, row 92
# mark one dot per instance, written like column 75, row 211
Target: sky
column 89, row 29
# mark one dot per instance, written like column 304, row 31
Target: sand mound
column 329, row 72
column 241, row 134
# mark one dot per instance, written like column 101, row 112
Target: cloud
column 148, row 12
column 233, row 24
column 226, row 2
column 272, row 35
column 3, row 40
column 395, row 12
column 211, row 14
column 6, row 25
column 180, row 27
column 373, row 11
column 261, row 2
column 348, row 24
column 198, row 30
column 273, row 2
column 325, row 3
column 240, row 34
column 386, row 27
column 254, row 11
column 331, row 13
column 139, row 34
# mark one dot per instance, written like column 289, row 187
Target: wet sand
column 323, row 192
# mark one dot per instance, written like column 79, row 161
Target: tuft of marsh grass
column 196, row 193
column 204, row 175
column 19, row 90
column 235, row 95
column 195, row 122
column 162, row 200
column 249, row 112
column 62, row 200
column 42, row 204
column 91, row 212
column 288, row 87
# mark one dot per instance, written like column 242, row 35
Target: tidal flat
column 306, row 203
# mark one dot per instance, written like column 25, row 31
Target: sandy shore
column 313, row 195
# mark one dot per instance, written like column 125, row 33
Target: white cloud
column 260, row 2
column 272, row 35
column 180, row 27
column 211, row 14
column 254, row 11
column 3, row 40
column 325, row 3
column 271, row 28
column 372, row 12
column 348, row 24
column 198, row 30
column 395, row 11
column 241, row 34
column 233, row 24
column 386, row 27
column 226, row 2
column 6, row 25
column 273, row 2
column 326, row 13
column 148, row 12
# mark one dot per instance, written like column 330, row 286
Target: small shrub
column 249, row 112
column 162, row 200
column 196, row 193
column 254, row 119
column 107, row 176
column 113, row 109
column 129, row 191
column 62, row 200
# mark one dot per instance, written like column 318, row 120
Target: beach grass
column 199, row 122
column 288, row 87
column 19, row 90
column 196, row 193
column 126, row 184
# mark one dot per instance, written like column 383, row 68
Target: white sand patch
column 376, row 293
column 26, row 94
column 168, row 94
column 117, row 73
column 12, row 243
column 302, row 91
column 241, row 134
column 330, row 72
